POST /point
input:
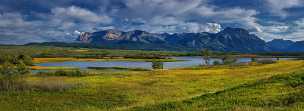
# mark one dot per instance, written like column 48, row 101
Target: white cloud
column 57, row 26
column 243, row 17
column 173, row 16
column 77, row 13
column 214, row 27
column 185, row 15
column 296, row 31
column 77, row 32
column 292, row 31
column 279, row 6
column 276, row 28
column 12, row 20
column 149, row 8
column 158, row 20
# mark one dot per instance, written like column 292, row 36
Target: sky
column 23, row 21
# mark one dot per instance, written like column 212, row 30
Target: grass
column 239, row 87
column 280, row 92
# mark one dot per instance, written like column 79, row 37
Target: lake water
column 188, row 62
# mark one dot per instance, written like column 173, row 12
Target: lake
column 187, row 62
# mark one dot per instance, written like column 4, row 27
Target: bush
column 229, row 60
column 11, row 76
column 12, row 70
column 157, row 65
column 216, row 63
column 27, row 60
column 16, row 59
column 253, row 59
column 70, row 73
column 266, row 61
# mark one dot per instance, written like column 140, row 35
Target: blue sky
column 23, row 21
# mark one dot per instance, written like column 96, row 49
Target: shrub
column 27, row 60
column 253, row 59
column 216, row 63
column 22, row 68
column 70, row 73
column 266, row 61
column 229, row 60
column 157, row 65
column 12, row 70
column 16, row 59
column 11, row 76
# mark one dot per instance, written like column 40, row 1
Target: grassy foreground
column 277, row 93
column 276, row 86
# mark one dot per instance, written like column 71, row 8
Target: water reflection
column 188, row 62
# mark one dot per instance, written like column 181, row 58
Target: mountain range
column 229, row 39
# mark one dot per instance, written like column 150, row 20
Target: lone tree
column 157, row 65
column 228, row 58
column 206, row 54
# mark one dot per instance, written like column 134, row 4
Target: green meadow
column 275, row 86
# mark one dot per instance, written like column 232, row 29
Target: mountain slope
column 237, row 39
column 280, row 44
column 230, row 39
column 296, row 47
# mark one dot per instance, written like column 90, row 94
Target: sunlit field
column 244, row 87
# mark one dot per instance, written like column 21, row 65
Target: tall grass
column 53, row 85
column 215, row 88
column 281, row 92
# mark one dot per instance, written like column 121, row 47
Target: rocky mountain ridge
column 229, row 39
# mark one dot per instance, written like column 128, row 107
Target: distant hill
column 280, row 44
column 230, row 39
column 296, row 47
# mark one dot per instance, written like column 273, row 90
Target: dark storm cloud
column 57, row 20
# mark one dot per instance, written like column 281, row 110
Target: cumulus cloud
column 55, row 26
column 80, row 14
column 214, row 27
column 296, row 30
column 279, row 6
column 77, row 32
column 243, row 17
column 291, row 31
column 185, row 16
column 59, row 20
column 12, row 20
column 171, row 24
column 148, row 8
